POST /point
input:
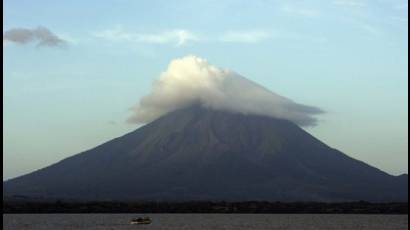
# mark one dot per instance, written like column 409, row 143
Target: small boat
column 139, row 220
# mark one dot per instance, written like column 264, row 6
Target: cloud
column 310, row 13
column 178, row 36
column 349, row 3
column 41, row 35
column 245, row 36
column 191, row 80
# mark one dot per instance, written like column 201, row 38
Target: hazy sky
column 73, row 69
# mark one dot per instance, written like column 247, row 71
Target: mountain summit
column 197, row 153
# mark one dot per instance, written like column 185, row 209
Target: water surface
column 205, row 222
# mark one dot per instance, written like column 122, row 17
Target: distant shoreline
column 251, row 207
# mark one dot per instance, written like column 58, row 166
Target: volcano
column 196, row 153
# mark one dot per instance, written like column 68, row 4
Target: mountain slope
column 201, row 154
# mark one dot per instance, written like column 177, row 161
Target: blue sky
column 348, row 57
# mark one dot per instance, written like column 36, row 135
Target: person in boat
column 140, row 220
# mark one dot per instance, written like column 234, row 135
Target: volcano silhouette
column 197, row 153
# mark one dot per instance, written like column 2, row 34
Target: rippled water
column 205, row 222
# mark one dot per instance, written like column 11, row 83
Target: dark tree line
column 360, row 207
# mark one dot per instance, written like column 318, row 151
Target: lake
column 205, row 222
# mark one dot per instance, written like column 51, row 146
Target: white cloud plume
column 178, row 36
column 42, row 35
column 191, row 80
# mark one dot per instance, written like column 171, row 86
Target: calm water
column 206, row 222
